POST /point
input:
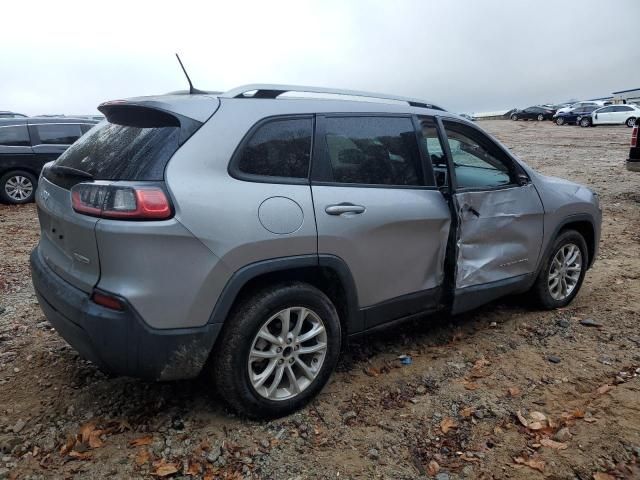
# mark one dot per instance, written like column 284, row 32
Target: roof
column 40, row 120
column 625, row 91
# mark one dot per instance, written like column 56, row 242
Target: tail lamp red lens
column 121, row 202
column 107, row 301
column 634, row 136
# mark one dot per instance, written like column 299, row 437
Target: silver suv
column 250, row 233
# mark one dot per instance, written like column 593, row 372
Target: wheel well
column 324, row 279
column 584, row 228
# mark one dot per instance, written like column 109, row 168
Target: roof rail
column 274, row 91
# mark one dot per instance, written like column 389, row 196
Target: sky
column 466, row 55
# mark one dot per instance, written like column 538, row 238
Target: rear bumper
column 119, row 341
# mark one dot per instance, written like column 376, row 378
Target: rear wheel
column 560, row 121
column 277, row 350
column 562, row 273
column 17, row 187
column 630, row 122
column 585, row 122
column 514, row 117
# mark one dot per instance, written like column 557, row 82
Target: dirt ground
column 502, row 392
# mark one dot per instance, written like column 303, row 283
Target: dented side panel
column 500, row 234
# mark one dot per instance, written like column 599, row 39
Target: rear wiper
column 70, row 171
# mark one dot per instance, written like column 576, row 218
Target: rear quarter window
column 14, row 136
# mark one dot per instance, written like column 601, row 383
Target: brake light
column 107, row 301
column 634, row 137
column 121, row 202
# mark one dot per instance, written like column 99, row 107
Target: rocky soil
column 502, row 392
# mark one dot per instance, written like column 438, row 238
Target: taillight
column 634, row 136
column 121, row 202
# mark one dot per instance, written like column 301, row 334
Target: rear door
column 499, row 217
column 604, row 116
column 378, row 209
column 50, row 140
column 15, row 147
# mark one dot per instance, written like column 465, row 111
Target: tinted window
column 280, row 148
column 58, row 133
column 477, row 163
column 373, row 150
column 119, row 152
column 622, row 108
column 605, row 110
column 15, row 136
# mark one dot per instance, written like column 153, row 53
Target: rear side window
column 278, row 148
column 373, row 150
column 58, row 133
column 119, row 152
column 17, row 136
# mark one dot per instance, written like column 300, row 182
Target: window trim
column 322, row 174
column 233, row 167
column 514, row 166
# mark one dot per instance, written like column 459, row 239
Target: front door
column 499, row 218
column 378, row 209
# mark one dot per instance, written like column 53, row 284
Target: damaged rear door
column 499, row 218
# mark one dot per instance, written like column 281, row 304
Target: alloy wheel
column 631, row 122
column 18, row 188
column 564, row 272
column 287, row 353
column 540, row 117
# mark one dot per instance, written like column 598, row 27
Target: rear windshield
column 117, row 152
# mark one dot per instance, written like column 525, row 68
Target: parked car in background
column 533, row 113
column 276, row 249
column 26, row 144
column 573, row 116
column 586, row 103
column 633, row 162
column 8, row 114
column 612, row 115
column 471, row 118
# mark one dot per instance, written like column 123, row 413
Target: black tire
column 6, row 194
column 560, row 121
column 229, row 365
column 540, row 117
column 631, row 121
column 540, row 290
column 514, row 117
column 585, row 122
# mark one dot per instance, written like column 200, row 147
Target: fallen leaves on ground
column 604, row 389
column 536, row 420
column 547, row 442
column 513, row 391
column 603, row 476
column 447, row 424
column 467, row 412
column 433, row 468
column 163, row 469
column 535, row 463
column 140, row 441
column 143, row 456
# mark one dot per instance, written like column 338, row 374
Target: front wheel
column 540, row 117
column 17, row 187
column 514, row 117
column 563, row 271
column 277, row 350
column 630, row 122
column 560, row 121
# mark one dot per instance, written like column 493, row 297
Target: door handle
column 341, row 208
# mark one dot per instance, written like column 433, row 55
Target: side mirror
column 522, row 179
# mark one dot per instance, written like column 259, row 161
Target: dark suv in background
column 26, row 144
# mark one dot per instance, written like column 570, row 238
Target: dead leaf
column 513, row 391
column 94, row 439
column 68, row 445
column 79, row 455
column 604, row 389
column 536, row 426
column 140, row 441
column 467, row 412
column 433, row 468
column 523, row 420
column 142, row 457
column 195, row 468
column 85, row 431
column 534, row 463
column 163, row 469
column 603, row 476
column 372, row 371
column 469, row 385
column 547, row 442
column 447, row 424
column 538, row 416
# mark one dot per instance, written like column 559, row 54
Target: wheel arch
column 328, row 273
column 584, row 225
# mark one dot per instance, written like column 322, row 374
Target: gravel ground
column 502, row 392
